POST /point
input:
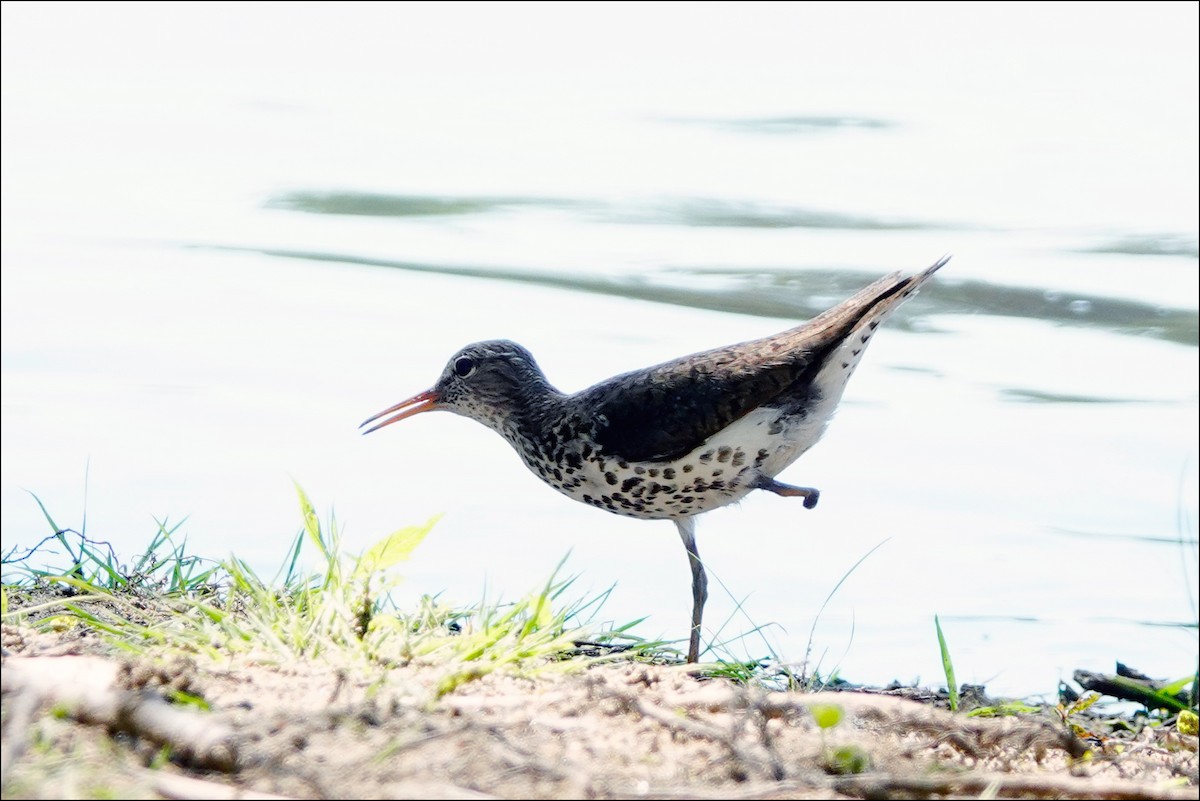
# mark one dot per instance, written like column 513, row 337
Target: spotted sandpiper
column 672, row 441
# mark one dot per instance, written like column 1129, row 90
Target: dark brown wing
column 664, row 412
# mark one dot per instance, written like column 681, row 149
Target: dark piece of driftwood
column 1129, row 685
column 87, row 687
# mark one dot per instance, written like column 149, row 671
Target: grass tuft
column 342, row 611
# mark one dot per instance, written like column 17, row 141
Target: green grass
column 947, row 665
column 168, row 598
column 343, row 611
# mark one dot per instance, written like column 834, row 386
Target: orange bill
column 425, row 402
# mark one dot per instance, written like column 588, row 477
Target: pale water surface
column 231, row 233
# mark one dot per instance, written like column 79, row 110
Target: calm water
column 229, row 237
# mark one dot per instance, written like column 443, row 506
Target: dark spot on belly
column 669, row 472
column 624, row 465
column 706, row 456
column 557, row 474
column 865, row 337
column 776, row 426
column 630, row 483
column 611, row 478
column 723, row 453
column 639, row 470
column 762, row 457
column 687, row 468
column 856, row 351
column 739, row 458
column 573, row 460
column 717, row 472
column 653, row 472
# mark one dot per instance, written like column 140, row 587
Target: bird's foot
column 810, row 494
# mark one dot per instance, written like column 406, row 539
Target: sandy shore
column 82, row 720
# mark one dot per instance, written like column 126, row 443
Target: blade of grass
column 947, row 665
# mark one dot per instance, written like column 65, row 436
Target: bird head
column 491, row 382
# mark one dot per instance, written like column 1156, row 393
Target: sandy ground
column 82, row 721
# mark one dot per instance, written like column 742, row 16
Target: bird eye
column 464, row 367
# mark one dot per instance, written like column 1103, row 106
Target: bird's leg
column 810, row 494
column 687, row 532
